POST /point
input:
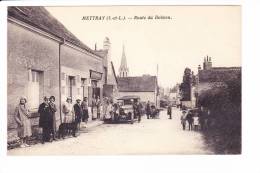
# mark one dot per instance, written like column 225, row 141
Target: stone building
column 210, row 77
column 45, row 59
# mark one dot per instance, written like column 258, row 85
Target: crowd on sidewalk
column 72, row 116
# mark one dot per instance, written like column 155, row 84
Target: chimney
column 95, row 46
column 199, row 67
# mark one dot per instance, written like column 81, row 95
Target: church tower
column 123, row 69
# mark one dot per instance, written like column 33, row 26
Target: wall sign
column 95, row 75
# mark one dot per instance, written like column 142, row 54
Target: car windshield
column 127, row 102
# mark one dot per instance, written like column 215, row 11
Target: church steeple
column 123, row 69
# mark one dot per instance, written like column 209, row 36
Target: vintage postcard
column 117, row 80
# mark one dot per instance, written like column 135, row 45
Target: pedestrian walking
column 53, row 109
column 45, row 120
column 169, row 111
column 189, row 118
column 148, row 110
column 183, row 120
column 22, row 119
column 84, row 105
column 78, row 115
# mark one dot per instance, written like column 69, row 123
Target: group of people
column 150, row 110
column 197, row 120
column 73, row 114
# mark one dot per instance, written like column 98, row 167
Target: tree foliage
column 224, row 104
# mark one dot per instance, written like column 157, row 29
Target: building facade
column 45, row 59
column 143, row 86
column 110, row 88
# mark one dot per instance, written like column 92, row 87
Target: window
column 71, row 83
column 34, row 89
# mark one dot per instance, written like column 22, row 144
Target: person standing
column 53, row 109
column 183, row 120
column 169, row 111
column 148, row 110
column 78, row 115
column 190, row 120
column 24, row 124
column 105, row 107
column 45, row 120
column 68, row 116
column 196, row 122
column 139, row 110
column 84, row 105
column 98, row 104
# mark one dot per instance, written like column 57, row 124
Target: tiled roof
column 137, row 84
column 219, row 74
column 40, row 18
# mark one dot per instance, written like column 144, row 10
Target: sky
column 191, row 33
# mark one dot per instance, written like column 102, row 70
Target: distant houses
column 208, row 77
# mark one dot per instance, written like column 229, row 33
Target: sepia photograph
column 124, row 80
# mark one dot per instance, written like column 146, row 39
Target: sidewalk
column 85, row 128
column 90, row 125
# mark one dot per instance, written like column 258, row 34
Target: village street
column 151, row 136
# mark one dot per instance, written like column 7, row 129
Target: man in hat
column 45, row 120
column 78, row 114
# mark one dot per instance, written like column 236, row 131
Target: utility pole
column 157, row 86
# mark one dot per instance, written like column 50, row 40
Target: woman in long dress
column 68, row 114
column 23, row 122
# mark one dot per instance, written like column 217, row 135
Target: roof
column 137, row 84
column 40, row 18
column 102, row 52
column 219, row 74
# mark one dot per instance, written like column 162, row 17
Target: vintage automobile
column 126, row 111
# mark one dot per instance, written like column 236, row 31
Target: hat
column 23, row 98
column 183, row 111
column 69, row 98
column 52, row 97
column 78, row 100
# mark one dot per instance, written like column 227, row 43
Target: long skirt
column 26, row 130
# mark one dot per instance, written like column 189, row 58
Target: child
column 196, row 122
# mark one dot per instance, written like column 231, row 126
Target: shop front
column 95, row 94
